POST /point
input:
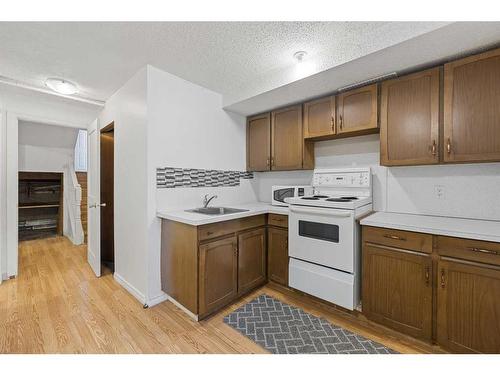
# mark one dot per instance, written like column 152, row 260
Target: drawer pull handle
column 442, row 278
column 484, row 251
column 209, row 233
column 393, row 237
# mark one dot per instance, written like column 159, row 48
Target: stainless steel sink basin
column 216, row 210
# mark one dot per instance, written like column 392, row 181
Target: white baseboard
column 157, row 300
column 130, row 288
column 191, row 314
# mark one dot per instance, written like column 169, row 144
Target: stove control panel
column 326, row 178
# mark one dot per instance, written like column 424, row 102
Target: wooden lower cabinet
column 218, row 274
column 468, row 307
column 206, row 267
column 251, row 259
column 397, row 289
column 277, row 255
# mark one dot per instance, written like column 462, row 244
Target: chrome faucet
column 207, row 200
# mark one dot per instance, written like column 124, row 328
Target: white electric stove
column 324, row 235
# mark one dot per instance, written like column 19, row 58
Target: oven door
column 324, row 236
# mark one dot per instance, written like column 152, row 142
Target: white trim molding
column 130, row 288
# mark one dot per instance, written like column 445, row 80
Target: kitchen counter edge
column 196, row 219
column 484, row 230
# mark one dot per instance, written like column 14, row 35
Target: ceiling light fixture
column 61, row 86
column 299, row 56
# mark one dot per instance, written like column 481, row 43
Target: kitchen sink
column 216, row 210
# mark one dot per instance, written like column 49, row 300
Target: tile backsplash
column 169, row 177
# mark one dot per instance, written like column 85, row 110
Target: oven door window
column 319, row 231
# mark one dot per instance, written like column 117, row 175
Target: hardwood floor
column 57, row 305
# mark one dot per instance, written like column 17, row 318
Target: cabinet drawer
column 398, row 238
column 278, row 220
column 223, row 228
column 475, row 250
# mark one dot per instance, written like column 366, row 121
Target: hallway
column 56, row 305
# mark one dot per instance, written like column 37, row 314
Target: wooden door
column 468, row 310
column 319, row 117
column 259, row 142
column 471, row 108
column 218, row 269
column 357, row 110
column 107, row 197
column 409, row 123
column 287, row 139
column 397, row 289
column 251, row 259
column 277, row 255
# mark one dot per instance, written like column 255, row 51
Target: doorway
column 107, row 146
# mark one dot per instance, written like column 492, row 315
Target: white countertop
column 192, row 218
column 486, row 230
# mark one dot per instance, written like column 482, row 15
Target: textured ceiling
column 238, row 60
column 43, row 135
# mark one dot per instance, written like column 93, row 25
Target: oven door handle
column 321, row 211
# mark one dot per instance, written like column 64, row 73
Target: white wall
column 16, row 103
column 189, row 129
column 470, row 190
column 127, row 109
column 44, row 159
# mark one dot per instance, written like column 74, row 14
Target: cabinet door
column 397, row 289
column 259, row 143
column 218, row 272
column 409, row 123
column 277, row 255
column 357, row 110
column 468, row 307
column 471, row 108
column 287, row 139
column 319, row 117
column 251, row 259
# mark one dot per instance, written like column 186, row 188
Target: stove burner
column 320, row 196
column 310, row 198
column 351, row 198
column 338, row 200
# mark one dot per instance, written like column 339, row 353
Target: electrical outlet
column 439, row 191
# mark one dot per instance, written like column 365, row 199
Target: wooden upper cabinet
column 259, row 143
column 218, row 272
column 287, row 140
column 251, row 259
column 409, row 120
column 357, row 110
column 397, row 289
column 471, row 108
column 468, row 307
column 319, row 117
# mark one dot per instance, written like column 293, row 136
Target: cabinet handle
column 393, row 237
column 209, row 233
column 427, row 275
column 272, row 160
column 433, row 148
column 442, row 278
column 448, row 146
column 485, row 251
column 268, row 160
column 341, row 122
column 333, row 124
